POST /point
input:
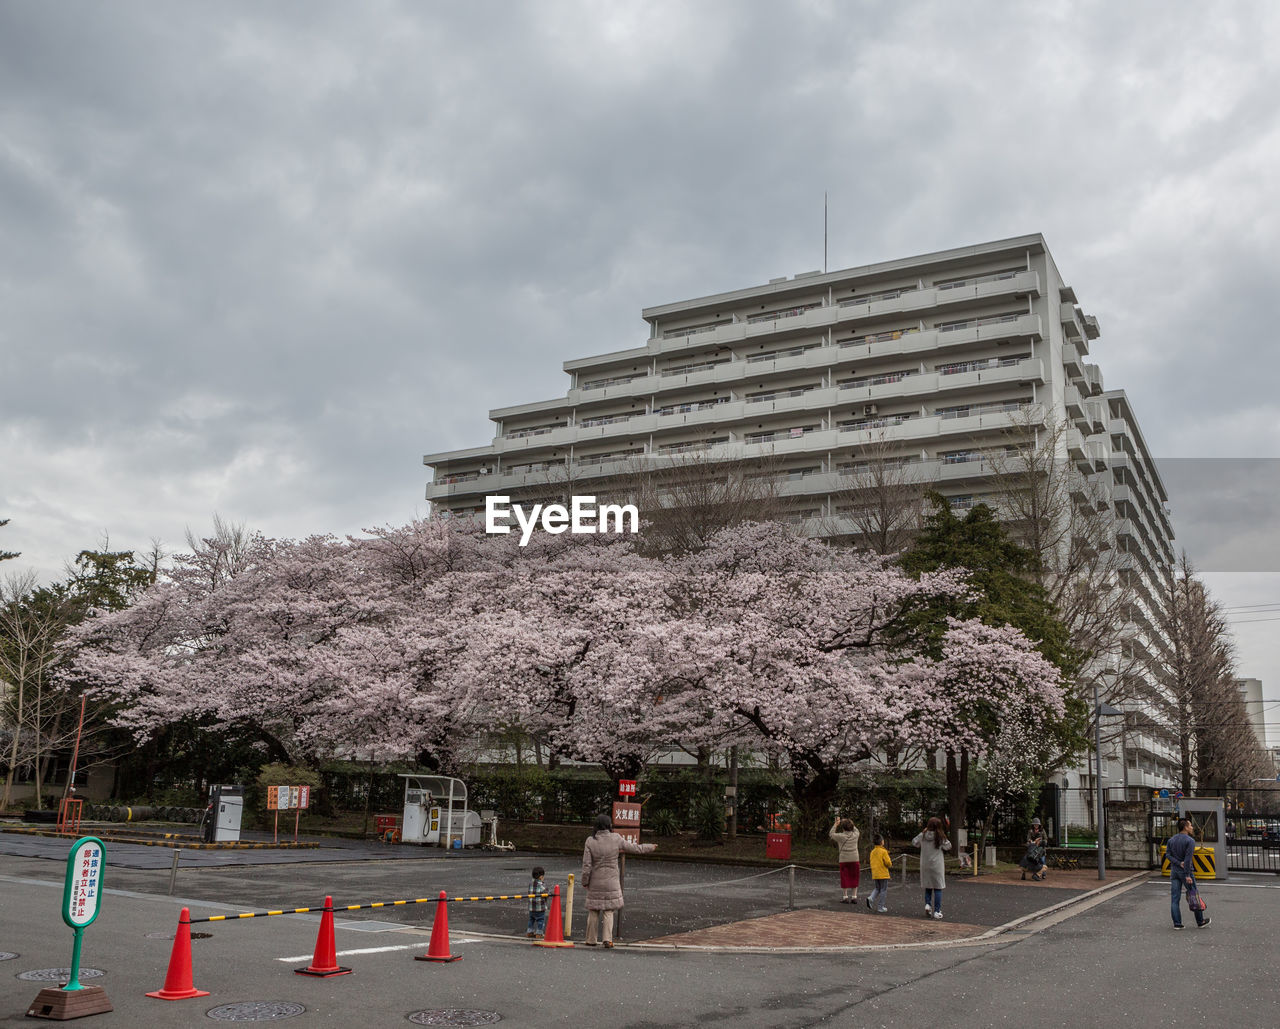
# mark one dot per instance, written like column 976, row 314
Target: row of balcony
column 792, row 440
column 723, row 410
column 824, row 356
column 820, row 315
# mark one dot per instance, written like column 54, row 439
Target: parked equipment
column 435, row 812
column 226, row 808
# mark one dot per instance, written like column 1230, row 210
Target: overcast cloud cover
column 258, row 258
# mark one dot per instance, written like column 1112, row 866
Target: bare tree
column 684, row 499
column 883, row 497
column 1217, row 745
column 32, row 621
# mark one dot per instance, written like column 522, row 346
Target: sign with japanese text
column 626, row 821
column 626, row 787
column 83, row 890
column 288, row 798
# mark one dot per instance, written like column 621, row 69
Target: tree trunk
column 957, row 792
column 893, row 802
column 813, row 788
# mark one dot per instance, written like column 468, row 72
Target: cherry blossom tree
column 415, row 641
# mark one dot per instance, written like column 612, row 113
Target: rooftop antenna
column 824, row 232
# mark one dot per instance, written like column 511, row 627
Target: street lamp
column 1100, row 709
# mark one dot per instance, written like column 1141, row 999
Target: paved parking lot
column 1100, row 961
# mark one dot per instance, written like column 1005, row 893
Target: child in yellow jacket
column 881, row 866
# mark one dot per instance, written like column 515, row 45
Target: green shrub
column 663, row 822
column 708, row 817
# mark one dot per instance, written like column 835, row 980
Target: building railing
column 701, row 405
column 878, row 337
column 994, row 277
column 874, row 380
column 612, row 419
column 956, row 367
column 774, row 355
column 790, row 312
column 760, row 398
column 688, row 369
column 871, row 298
column 617, row 380
column 696, row 330
column 858, row 424
column 525, row 433
column 769, row 437
column 970, row 323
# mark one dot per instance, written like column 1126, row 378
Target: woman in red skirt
column 845, row 836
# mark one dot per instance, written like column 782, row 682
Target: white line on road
column 1218, row 882
column 371, row 950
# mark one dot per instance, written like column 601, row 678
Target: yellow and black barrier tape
column 364, row 907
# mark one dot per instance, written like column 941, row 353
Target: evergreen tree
column 1004, row 592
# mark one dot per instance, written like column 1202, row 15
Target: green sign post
column 82, row 895
column 81, row 901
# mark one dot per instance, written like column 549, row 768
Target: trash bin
column 778, row 845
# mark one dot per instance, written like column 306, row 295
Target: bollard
column 568, row 909
column 173, row 872
column 791, row 887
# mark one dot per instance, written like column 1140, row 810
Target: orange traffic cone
column 438, row 949
column 324, row 962
column 555, row 925
column 177, row 981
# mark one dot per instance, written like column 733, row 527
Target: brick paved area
column 817, row 928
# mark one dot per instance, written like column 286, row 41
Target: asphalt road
column 1114, row 963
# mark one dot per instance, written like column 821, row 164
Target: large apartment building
column 936, row 356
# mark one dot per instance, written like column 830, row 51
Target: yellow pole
column 568, row 909
column 975, row 859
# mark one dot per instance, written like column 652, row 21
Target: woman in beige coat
column 844, row 834
column 601, row 877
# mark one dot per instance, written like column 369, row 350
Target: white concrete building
column 939, row 355
column 1251, row 694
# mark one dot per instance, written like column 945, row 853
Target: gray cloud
column 259, row 259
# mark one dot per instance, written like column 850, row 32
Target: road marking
column 1218, row 882
column 370, row 950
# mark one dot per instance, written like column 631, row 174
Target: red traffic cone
column 555, row 925
column 324, row 962
column 438, row 948
column 177, row 981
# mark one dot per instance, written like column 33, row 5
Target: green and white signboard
column 82, row 895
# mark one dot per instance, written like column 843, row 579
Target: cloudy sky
column 258, row 259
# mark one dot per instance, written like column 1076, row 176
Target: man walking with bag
column 1180, row 851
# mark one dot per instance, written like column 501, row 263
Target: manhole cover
column 56, row 975
column 454, row 1016
column 256, row 1011
column 6, row 955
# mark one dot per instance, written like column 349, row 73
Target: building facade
column 936, row 357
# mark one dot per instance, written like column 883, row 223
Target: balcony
column 1097, row 414
column 1072, row 325
column 1071, row 360
column 1093, row 376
